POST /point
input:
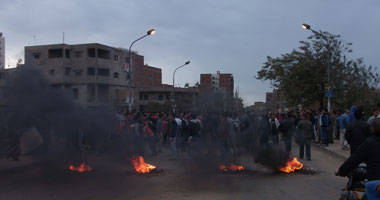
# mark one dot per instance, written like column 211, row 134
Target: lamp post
column 308, row 27
column 173, row 98
column 130, row 100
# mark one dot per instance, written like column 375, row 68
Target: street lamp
column 173, row 98
column 150, row 32
column 308, row 27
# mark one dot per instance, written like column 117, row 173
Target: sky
column 215, row 35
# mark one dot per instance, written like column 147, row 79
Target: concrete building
column 97, row 75
column 212, row 82
column 154, row 99
column 217, row 92
column 2, row 51
column 94, row 73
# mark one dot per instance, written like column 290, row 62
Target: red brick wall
column 225, row 81
column 146, row 75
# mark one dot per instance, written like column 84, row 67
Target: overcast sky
column 225, row 35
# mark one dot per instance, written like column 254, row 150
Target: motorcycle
column 355, row 188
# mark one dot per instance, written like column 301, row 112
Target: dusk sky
column 229, row 36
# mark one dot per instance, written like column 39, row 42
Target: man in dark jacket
column 287, row 128
column 303, row 135
column 357, row 131
column 368, row 152
column 325, row 125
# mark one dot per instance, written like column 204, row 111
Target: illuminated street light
column 308, row 27
column 151, row 32
column 130, row 100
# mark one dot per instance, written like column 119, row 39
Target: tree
column 302, row 74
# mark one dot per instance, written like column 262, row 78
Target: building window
column 103, row 72
column 128, row 76
column 167, row 97
column 78, row 72
column 105, row 54
column 141, row 97
column 55, row 53
column 75, row 93
column 160, row 97
column 36, row 56
column 67, row 53
column 146, row 97
column 116, row 75
column 116, row 57
column 91, row 52
column 91, row 71
column 67, row 71
column 127, row 59
column 51, row 72
column 78, row 54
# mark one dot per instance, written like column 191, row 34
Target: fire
column 231, row 167
column 291, row 166
column 140, row 166
column 81, row 168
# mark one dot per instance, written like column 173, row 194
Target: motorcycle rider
column 368, row 152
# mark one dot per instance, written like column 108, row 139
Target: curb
column 333, row 153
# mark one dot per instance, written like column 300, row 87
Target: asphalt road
column 113, row 180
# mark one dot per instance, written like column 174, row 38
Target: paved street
column 114, row 180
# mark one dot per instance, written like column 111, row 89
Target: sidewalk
column 335, row 149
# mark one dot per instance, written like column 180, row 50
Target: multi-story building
column 159, row 98
column 94, row 73
column 212, row 82
column 97, row 74
column 2, row 51
column 217, row 91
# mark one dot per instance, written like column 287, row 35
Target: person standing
column 172, row 134
column 150, row 137
column 159, row 132
column 375, row 113
column 343, row 123
column 274, row 124
column 324, row 128
column 351, row 117
column 232, row 143
column 138, row 135
column 303, row 135
column 357, row 131
column 223, row 135
column 332, row 129
column 287, row 128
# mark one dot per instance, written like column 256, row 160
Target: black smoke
column 66, row 127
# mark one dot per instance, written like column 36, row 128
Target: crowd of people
column 185, row 133
column 229, row 134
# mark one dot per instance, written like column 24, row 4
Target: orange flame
column 231, row 167
column 82, row 168
column 291, row 166
column 140, row 166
